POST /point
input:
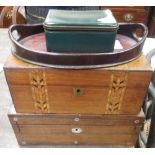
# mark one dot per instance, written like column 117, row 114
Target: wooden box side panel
column 16, row 129
column 63, row 135
column 82, row 139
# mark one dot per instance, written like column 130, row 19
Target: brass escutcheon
column 78, row 91
column 128, row 17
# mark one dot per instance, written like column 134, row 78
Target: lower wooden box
column 76, row 130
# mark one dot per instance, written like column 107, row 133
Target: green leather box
column 80, row 31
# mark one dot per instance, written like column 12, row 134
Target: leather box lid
column 80, row 20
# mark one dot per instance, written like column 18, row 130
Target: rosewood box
column 75, row 129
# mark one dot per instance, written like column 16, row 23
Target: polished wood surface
column 126, row 8
column 151, row 24
column 136, row 17
column 114, row 90
column 10, row 15
column 137, row 14
column 54, row 129
column 6, row 16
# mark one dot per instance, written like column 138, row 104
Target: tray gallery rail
column 29, row 45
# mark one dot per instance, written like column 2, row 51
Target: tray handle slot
column 136, row 31
column 23, row 31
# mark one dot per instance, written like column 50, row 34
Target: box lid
column 71, row 19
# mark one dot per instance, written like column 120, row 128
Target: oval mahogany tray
column 29, row 45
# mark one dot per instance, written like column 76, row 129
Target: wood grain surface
column 114, row 90
column 140, row 14
column 55, row 129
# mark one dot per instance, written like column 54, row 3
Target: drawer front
column 77, row 135
column 124, row 14
column 130, row 17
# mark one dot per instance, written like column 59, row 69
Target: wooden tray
column 29, row 45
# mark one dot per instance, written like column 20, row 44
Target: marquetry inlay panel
column 39, row 91
column 116, row 92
